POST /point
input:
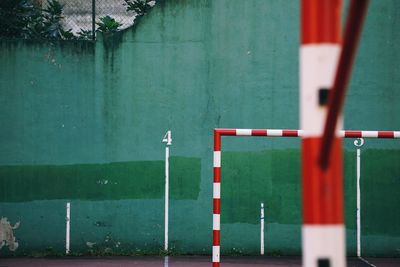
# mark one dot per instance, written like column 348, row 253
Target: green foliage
column 108, row 24
column 23, row 19
column 27, row 20
column 52, row 17
column 85, row 34
column 16, row 16
column 140, row 7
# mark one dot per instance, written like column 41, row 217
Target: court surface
column 178, row 261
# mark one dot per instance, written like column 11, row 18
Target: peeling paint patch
column 7, row 237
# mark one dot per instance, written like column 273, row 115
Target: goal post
column 219, row 132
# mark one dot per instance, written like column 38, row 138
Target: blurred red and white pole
column 323, row 232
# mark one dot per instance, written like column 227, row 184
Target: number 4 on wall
column 167, row 138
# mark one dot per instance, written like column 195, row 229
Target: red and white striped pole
column 323, row 231
column 216, row 200
column 217, row 194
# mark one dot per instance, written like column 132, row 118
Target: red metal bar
column 358, row 10
column 316, row 17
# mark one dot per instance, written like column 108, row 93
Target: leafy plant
column 108, row 24
column 24, row 19
column 52, row 20
column 85, row 34
column 15, row 16
column 140, row 7
column 27, row 19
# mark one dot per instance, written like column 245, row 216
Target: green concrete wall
column 83, row 122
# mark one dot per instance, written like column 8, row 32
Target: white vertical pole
column 262, row 228
column 358, row 143
column 166, row 197
column 168, row 141
column 358, row 206
column 67, row 230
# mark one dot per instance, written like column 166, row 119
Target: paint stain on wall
column 7, row 237
column 110, row 181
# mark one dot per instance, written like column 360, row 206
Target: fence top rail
column 299, row 133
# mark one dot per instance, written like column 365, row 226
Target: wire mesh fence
column 68, row 19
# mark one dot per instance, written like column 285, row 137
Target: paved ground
column 187, row 261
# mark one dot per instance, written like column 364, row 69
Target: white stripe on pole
column 67, row 230
column 216, row 222
column 396, row 134
column 315, row 239
column 317, row 70
column 262, row 229
column 217, row 190
column 243, row 131
column 217, row 159
column 369, row 134
column 215, row 254
column 274, row 132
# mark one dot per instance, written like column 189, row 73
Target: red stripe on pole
column 222, row 131
column 217, row 141
column 320, row 21
column 352, row 134
column 258, row 132
column 215, row 264
column 217, row 175
column 290, row 133
column 385, row 134
column 322, row 190
column 216, row 206
column 216, row 237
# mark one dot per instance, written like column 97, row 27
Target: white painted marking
column 166, row 261
column 243, row 131
column 217, row 190
column 274, row 132
column 317, row 70
column 216, row 222
column 369, row 134
column 367, row 262
column 323, row 242
column 217, row 159
column 215, row 254
column 67, row 230
column 396, row 134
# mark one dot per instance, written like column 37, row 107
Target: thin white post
column 168, row 141
column 358, row 143
column 262, row 228
column 67, row 230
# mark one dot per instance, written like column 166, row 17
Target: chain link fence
column 68, row 19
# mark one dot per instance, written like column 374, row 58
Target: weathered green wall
column 83, row 122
